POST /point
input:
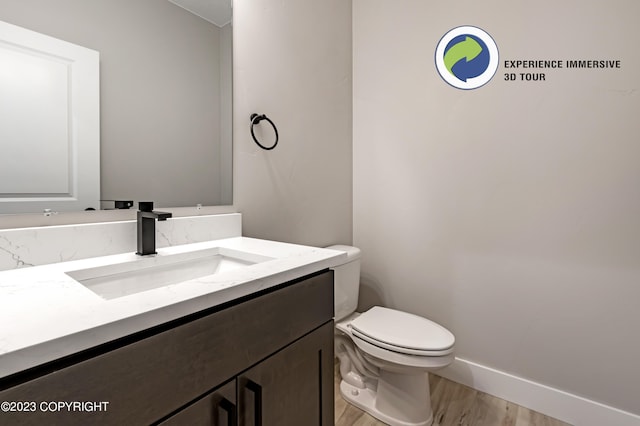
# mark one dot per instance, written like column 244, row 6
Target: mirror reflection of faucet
column 147, row 227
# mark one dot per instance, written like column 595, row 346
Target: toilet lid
column 402, row 332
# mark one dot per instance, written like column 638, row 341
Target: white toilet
column 385, row 354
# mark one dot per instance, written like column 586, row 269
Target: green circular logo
column 467, row 57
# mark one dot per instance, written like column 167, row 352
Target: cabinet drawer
column 152, row 377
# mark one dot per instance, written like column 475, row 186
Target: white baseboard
column 549, row 401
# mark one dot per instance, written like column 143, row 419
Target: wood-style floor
column 452, row 404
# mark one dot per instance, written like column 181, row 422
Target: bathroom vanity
column 249, row 346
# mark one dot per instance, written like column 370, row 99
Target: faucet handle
column 145, row 206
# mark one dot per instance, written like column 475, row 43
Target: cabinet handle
column 229, row 408
column 256, row 389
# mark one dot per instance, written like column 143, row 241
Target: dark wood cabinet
column 217, row 408
column 263, row 360
column 292, row 387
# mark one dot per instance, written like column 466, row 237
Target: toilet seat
column 401, row 332
column 375, row 354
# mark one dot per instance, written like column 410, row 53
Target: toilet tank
column 347, row 282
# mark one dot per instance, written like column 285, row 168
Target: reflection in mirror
column 49, row 123
column 165, row 93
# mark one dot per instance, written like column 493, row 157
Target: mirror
column 165, row 92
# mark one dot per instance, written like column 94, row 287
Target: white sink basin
column 147, row 273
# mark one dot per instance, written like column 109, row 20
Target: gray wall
column 509, row 213
column 160, row 94
column 292, row 62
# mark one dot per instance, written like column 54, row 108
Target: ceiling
column 218, row 12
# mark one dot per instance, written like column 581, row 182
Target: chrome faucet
column 147, row 227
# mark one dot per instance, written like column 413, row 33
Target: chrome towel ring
column 255, row 119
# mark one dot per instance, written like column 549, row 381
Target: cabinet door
column 293, row 387
column 217, row 408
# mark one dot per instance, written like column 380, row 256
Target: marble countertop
column 45, row 314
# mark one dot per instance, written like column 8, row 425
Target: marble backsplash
column 24, row 247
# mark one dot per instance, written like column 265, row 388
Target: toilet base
column 379, row 403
